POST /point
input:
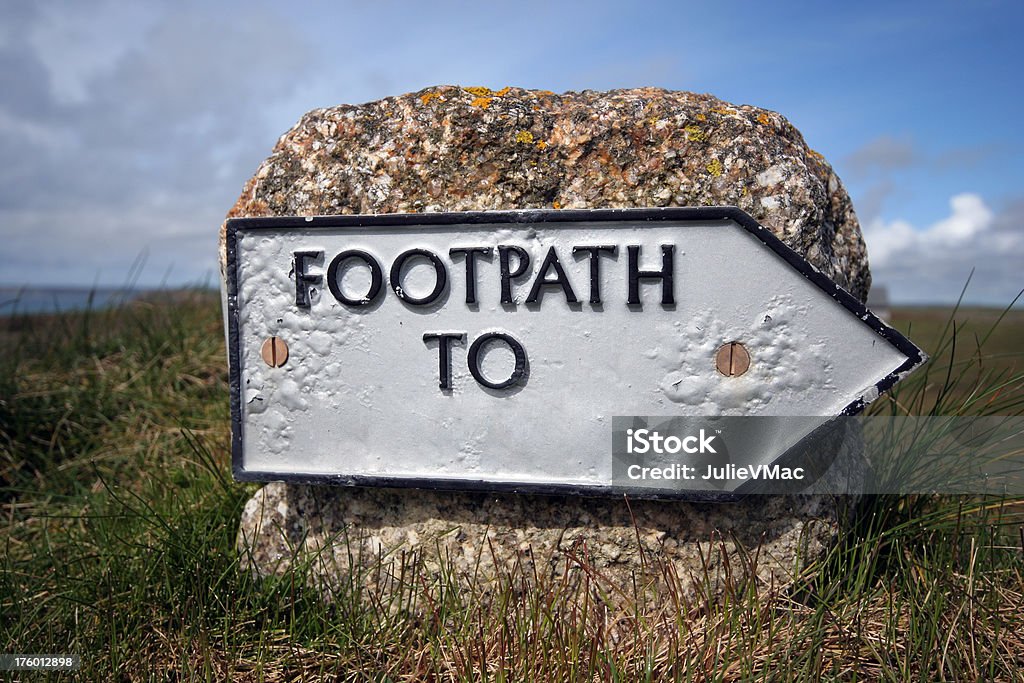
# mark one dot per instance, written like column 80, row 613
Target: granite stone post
column 450, row 148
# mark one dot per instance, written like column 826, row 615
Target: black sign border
column 915, row 356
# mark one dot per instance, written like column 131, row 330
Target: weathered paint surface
column 359, row 395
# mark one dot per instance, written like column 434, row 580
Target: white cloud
column 970, row 217
column 888, row 242
column 932, row 264
column 144, row 147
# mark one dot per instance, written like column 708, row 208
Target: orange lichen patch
column 702, row 117
column 427, row 98
column 253, row 207
column 724, row 111
column 695, row 134
column 763, row 119
column 714, row 167
column 541, row 144
column 479, row 91
column 504, row 91
column 556, row 205
column 544, row 92
column 525, row 137
column 482, row 102
column 817, row 155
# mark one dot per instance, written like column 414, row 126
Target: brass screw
column 274, row 352
column 732, row 359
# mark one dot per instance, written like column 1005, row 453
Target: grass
column 978, row 362
column 118, row 520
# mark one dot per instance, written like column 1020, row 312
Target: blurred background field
column 1002, row 350
column 976, row 347
column 118, row 518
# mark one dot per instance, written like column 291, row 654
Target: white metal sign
column 492, row 350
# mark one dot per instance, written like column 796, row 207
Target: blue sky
column 129, row 128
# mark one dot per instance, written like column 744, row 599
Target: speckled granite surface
column 470, row 149
column 448, row 148
column 482, row 536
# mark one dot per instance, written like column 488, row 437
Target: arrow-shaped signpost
column 537, row 351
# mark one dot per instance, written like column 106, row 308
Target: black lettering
column 551, row 261
column 507, row 273
column 440, row 277
column 595, row 267
column 470, row 253
column 303, row 280
column 376, row 277
column 444, row 354
column 518, row 374
column 665, row 275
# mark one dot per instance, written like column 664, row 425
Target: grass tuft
column 119, row 519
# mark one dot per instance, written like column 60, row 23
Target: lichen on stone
column 600, row 151
column 695, row 134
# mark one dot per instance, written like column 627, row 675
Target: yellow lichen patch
column 763, row 119
column 482, row 102
column 702, row 117
column 479, row 91
column 426, row 99
column 724, row 111
column 817, row 155
column 525, row 137
column 541, row 144
column 556, row 205
column 714, row 167
column 504, row 91
column 695, row 134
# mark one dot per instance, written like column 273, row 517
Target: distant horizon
column 5, row 288
column 76, row 292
